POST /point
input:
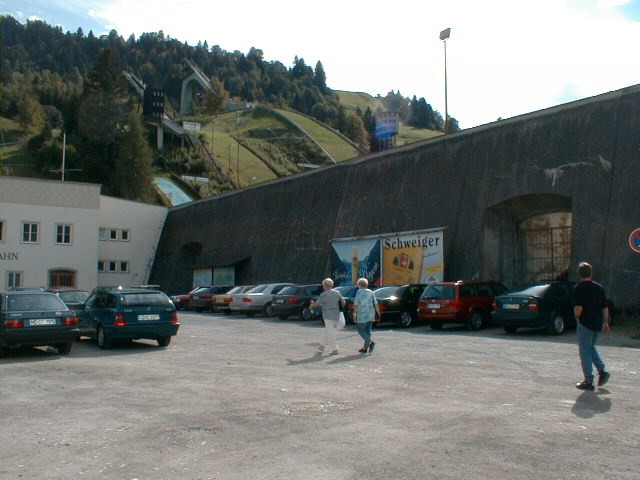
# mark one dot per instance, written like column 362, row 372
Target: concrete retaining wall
column 583, row 157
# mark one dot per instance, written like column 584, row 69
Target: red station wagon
column 466, row 302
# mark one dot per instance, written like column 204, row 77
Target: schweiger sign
column 389, row 259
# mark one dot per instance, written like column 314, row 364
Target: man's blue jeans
column 364, row 330
column 588, row 354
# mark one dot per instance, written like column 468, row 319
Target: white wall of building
column 48, row 204
column 118, row 236
column 129, row 232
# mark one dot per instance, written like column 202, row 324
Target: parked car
column 71, row 297
column 466, row 302
column 203, row 299
column 182, row 301
column 541, row 304
column 257, row 300
column 398, row 303
column 294, row 301
column 36, row 318
column 221, row 302
column 115, row 313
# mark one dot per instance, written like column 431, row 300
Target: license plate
column 42, row 321
column 195, row 297
column 511, row 306
column 279, row 300
column 433, row 305
column 153, row 316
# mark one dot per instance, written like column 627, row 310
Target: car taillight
column 13, row 323
column 70, row 321
column 350, row 306
column 246, row 300
column 293, row 300
column 494, row 306
column 227, row 299
column 383, row 307
column 532, row 305
column 174, row 317
column 119, row 320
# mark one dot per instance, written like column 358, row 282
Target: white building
column 56, row 233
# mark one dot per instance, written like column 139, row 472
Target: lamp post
column 444, row 36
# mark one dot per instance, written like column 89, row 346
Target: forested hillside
column 69, row 87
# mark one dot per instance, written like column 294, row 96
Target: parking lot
column 252, row 398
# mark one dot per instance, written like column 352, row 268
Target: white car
column 220, row 303
column 257, row 300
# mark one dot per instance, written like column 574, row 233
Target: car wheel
column 283, row 317
column 475, row 321
column 306, row 313
column 436, row 324
column 510, row 329
column 406, row 319
column 164, row 341
column 558, row 325
column 103, row 340
column 64, row 348
column 268, row 310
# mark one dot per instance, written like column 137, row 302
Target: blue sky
column 504, row 57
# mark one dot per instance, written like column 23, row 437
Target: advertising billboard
column 389, row 259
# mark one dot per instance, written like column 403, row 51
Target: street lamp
column 444, row 36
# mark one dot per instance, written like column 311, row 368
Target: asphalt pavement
column 253, row 398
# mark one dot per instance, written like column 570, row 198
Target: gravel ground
column 238, row 398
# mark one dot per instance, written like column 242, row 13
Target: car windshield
column 532, row 290
column 144, row 298
column 71, row 296
column 288, row 291
column 383, row 292
column 25, row 303
column 237, row 289
column 257, row 289
column 344, row 289
column 439, row 291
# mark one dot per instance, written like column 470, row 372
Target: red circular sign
column 634, row 240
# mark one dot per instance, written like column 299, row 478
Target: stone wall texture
column 477, row 184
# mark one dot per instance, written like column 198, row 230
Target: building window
column 62, row 278
column 103, row 234
column 113, row 234
column 1, row 230
column 124, row 235
column 29, row 232
column 545, row 245
column 124, row 267
column 101, row 265
column 14, row 279
column 112, row 266
column 63, row 234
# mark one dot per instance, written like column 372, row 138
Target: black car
column 541, row 304
column 71, row 297
column 293, row 301
column 36, row 318
column 399, row 303
column 116, row 313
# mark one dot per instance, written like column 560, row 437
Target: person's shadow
column 315, row 358
column 589, row 404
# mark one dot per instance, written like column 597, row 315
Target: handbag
column 376, row 314
column 340, row 323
